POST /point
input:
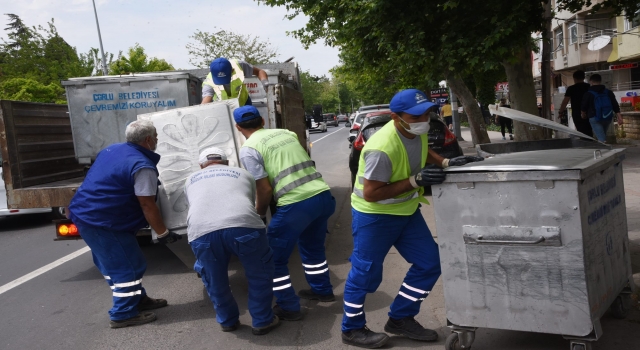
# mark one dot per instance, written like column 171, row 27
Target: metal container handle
column 479, row 240
column 595, row 154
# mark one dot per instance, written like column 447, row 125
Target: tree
column 91, row 62
column 228, row 44
column 138, row 61
column 21, row 89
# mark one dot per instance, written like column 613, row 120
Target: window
column 634, row 22
column 559, row 43
column 573, row 33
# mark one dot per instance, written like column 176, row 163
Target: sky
column 163, row 28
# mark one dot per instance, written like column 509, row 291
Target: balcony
column 587, row 37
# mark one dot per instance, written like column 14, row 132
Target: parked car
column 357, row 121
column 331, row 119
column 312, row 125
column 441, row 139
column 342, row 118
column 372, row 108
column 57, row 213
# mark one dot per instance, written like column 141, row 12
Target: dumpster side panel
column 182, row 134
column 505, row 280
column 602, row 202
column 101, row 111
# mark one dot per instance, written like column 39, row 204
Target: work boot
column 287, row 315
column 230, row 328
column 364, row 338
column 309, row 294
column 142, row 318
column 266, row 329
column 410, row 328
column 147, row 303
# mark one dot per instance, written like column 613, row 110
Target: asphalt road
column 66, row 306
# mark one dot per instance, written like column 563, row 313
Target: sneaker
column 410, row 328
column 287, row 315
column 230, row 328
column 309, row 294
column 364, row 338
column 510, row 137
column 266, row 329
column 504, row 138
column 142, row 318
column 147, row 303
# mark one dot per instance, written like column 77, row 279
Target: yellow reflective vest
column 238, row 89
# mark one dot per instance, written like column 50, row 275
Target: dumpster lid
column 557, row 159
column 535, row 120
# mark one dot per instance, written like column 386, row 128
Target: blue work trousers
column 373, row 236
column 304, row 223
column 251, row 246
column 600, row 127
column 120, row 260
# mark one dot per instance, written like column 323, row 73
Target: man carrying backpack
column 599, row 106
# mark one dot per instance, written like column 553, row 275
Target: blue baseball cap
column 245, row 113
column 410, row 101
column 220, row 69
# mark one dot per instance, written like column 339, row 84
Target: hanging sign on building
column 502, row 87
column 623, row 66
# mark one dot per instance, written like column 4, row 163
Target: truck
column 47, row 149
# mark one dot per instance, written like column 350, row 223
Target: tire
column 581, row 346
column 621, row 306
column 58, row 213
column 453, row 342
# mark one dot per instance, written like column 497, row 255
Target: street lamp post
column 104, row 59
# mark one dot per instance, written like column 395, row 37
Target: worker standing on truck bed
column 226, row 80
column 284, row 171
column 386, row 198
column 116, row 199
column 223, row 221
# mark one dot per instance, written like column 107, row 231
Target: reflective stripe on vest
column 358, row 192
column 290, row 170
column 297, row 183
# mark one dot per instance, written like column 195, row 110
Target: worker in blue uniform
column 283, row 171
column 115, row 200
column 385, row 204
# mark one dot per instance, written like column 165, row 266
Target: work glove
column 168, row 237
column 462, row 160
column 265, row 85
column 427, row 177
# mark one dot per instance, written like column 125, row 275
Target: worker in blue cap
column 226, row 80
column 385, row 202
column 283, row 171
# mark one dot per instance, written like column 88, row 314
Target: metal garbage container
column 534, row 241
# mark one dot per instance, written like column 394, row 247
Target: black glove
column 169, row 238
column 428, row 177
column 462, row 160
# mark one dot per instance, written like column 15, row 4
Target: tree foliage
column 209, row 46
column 138, row 61
column 23, row 89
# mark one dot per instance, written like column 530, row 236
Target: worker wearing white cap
column 222, row 222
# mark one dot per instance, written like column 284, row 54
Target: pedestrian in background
column 223, row 221
column 284, row 172
column 447, row 114
column 599, row 105
column 116, row 199
column 574, row 94
column 505, row 122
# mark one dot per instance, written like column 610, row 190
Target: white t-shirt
column 145, row 182
column 220, row 197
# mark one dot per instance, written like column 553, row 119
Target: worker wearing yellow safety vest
column 226, row 80
column 385, row 204
column 284, row 171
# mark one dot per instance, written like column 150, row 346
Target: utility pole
column 104, row 59
column 546, row 62
column 454, row 114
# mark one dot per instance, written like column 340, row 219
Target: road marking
column 9, row 286
column 324, row 137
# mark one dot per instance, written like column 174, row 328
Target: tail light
column 356, row 127
column 359, row 142
column 67, row 230
column 449, row 137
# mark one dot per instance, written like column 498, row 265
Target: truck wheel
column 58, row 213
column 621, row 305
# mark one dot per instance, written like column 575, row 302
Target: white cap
column 212, row 153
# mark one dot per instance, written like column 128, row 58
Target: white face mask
column 419, row 128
